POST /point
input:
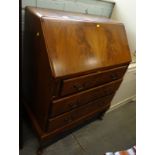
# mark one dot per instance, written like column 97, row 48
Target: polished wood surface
column 70, row 40
column 73, row 65
column 81, row 83
column 70, row 117
column 42, row 12
column 37, row 74
column 68, row 103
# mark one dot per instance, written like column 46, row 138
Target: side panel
column 37, row 81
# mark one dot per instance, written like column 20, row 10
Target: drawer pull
column 72, row 106
column 78, row 87
column 68, row 120
column 113, row 76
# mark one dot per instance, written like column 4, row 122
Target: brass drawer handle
column 78, row 87
column 68, row 120
column 74, row 105
column 113, row 76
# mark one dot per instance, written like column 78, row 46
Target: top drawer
column 81, row 83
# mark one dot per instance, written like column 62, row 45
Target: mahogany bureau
column 72, row 66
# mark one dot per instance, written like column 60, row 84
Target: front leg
column 40, row 148
column 101, row 115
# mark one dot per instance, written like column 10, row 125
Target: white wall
column 127, row 89
column 125, row 11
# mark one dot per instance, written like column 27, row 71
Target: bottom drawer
column 79, row 113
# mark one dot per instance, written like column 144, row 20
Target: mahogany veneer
column 72, row 66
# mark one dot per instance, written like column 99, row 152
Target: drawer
column 81, row 83
column 68, row 103
column 69, row 117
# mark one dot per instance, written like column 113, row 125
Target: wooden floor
column 117, row 131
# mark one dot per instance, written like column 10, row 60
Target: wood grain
column 85, row 82
column 69, row 42
column 73, row 101
column 71, row 63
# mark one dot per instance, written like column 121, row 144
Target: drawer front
column 69, row 117
column 68, row 103
column 81, row 83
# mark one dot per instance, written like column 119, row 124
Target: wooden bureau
column 72, row 66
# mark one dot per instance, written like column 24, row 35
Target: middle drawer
column 79, row 113
column 68, row 103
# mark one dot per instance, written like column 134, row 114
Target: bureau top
column 51, row 13
column 78, row 43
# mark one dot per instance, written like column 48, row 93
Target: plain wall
column 127, row 89
column 125, row 12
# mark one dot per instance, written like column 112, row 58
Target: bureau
column 72, row 66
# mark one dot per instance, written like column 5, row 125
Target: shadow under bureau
column 72, row 66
